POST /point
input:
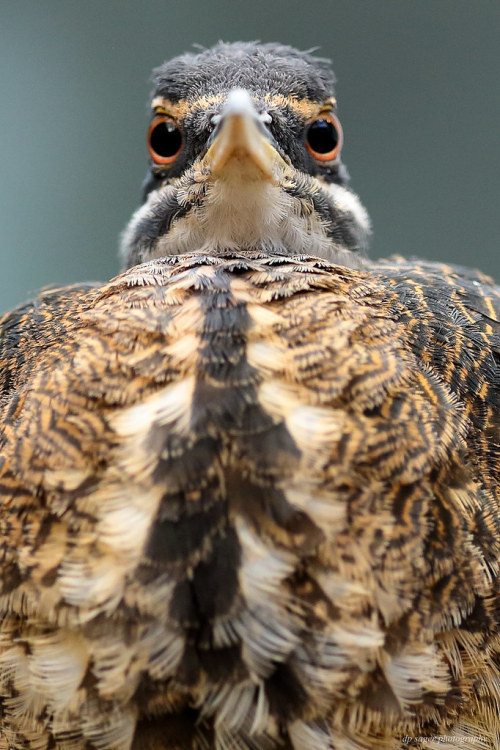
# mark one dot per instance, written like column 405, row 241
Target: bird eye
column 164, row 140
column 324, row 137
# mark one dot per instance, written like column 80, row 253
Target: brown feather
column 251, row 501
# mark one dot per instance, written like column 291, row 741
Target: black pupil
column 322, row 136
column 166, row 139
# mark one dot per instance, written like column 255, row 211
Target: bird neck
column 296, row 217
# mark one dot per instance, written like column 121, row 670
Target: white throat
column 236, row 213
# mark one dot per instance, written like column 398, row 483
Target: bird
column 249, row 493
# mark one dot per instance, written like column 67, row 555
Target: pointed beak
column 241, row 142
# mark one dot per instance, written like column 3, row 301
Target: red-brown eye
column 324, row 137
column 164, row 140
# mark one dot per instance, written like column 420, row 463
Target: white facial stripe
column 348, row 202
column 148, row 209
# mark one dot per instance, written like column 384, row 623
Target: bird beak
column 242, row 142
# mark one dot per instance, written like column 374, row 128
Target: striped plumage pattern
column 251, row 501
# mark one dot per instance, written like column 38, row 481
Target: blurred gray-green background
column 419, row 93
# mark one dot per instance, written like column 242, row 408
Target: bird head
column 245, row 147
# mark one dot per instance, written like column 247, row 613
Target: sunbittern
column 250, row 487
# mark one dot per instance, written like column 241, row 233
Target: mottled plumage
column 250, row 497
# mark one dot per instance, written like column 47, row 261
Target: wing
column 251, row 503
